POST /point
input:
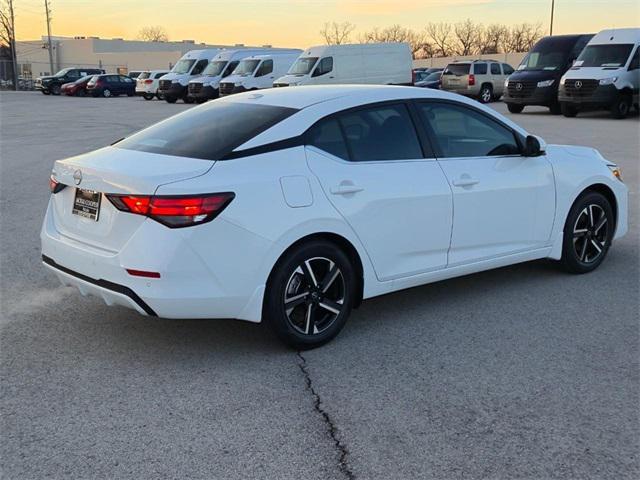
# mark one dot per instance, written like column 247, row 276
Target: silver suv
column 481, row 79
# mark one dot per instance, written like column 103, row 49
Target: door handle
column 345, row 189
column 465, row 181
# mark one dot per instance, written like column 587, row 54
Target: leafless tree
column 153, row 33
column 440, row 36
column 418, row 41
column 522, row 37
column 335, row 33
column 468, row 35
column 7, row 35
column 493, row 38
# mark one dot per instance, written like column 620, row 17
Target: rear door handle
column 345, row 189
column 465, row 181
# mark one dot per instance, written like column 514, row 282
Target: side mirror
column 534, row 146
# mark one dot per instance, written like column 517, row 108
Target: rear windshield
column 457, row 69
column 208, row 132
column 303, row 65
column 144, row 75
column 604, row 55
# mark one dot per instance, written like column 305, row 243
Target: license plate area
column 86, row 203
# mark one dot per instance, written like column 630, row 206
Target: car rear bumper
column 193, row 283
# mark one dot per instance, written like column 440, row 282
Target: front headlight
column 506, row 83
column 545, row 83
column 562, row 81
column 608, row 81
column 615, row 170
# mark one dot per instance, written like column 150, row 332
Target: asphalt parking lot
column 521, row 372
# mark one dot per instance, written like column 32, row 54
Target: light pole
column 551, row 24
column 46, row 8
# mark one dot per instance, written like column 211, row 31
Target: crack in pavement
column 343, row 465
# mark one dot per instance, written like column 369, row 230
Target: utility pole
column 48, row 11
column 551, row 24
column 14, row 58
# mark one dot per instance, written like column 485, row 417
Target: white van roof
column 199, row 54
column 616, row 35
column 353, row 48
column 262, row 56
column 250, row 52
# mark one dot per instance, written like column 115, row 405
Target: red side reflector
column 142, row 273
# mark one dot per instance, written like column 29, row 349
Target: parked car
column 147, row 83
column 293, row 206
column 258, row 71
column 134, row 74
column 481, row 79
column 606, row 75
column 173, row 85
column 207, row 86
column 536, row 80
column 369, row 63
column 52, row 84
column 111, row 85
column 429, row 80
column 77, row 88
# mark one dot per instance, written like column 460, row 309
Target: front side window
column 266, row 67
column 158, row 75
column 462, row 132
column 635, row 61
column 480, row 68
column 126, row 79
column 495, row 69
column 230, row 68
column 303, row 66
column 112, row 78
column 199, row 67
column 209, row 132
column 383, row 132
column 324, row 66
column 604, row 55
column 183, row 66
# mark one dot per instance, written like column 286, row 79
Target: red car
column 77, row 88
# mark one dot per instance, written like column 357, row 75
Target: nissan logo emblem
column 578, row 84
column 518, row 86
column 77, row 177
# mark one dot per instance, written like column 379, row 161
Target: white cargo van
column 206, row 86
column 258, row 71
column 173, row 85
column 605, row 75
column 367, row 63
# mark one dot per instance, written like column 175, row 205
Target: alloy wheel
column 314, row 295
column 590, row 234
column 486, row 95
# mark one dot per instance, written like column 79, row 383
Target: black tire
column 555, row 109
column 486, row 93
column 170, row 99
column 588, row 231
column 515, row 108
column 129, row 94
column 291, row 279
column 159, row 95
column 46, row 92
column 55, row 89
column 187, row 99
column 568, row 111
column 621, row 107
column 148, row 96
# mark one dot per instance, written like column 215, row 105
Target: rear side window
column 112, row 78
column 457, row 69
column 209, row 132
column 480, row 68
column 266, row 67
column 495, row 69
column 506, row 68
column 462, row 132
column 327, row 136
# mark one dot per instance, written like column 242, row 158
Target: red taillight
column 54, row 185
column 175, row 211
column 148, row 81
column 472, row 80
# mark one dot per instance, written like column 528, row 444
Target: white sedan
column 292, row 205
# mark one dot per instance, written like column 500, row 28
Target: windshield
column 457, row 69
column 246, row 67
column 215, row 68
column 209, row 132
column 543, row 61
column 63, row 72
column 303, row 66
column 183, row 66
column 604, row 55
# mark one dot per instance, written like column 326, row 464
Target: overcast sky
column 297, row 23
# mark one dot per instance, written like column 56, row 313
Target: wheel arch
column 605, row 191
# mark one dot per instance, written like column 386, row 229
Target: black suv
column 51, row 84
column 536, row 80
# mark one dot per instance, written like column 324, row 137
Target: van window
column 457, row 69
column 266, row 67
column 495, row 69
column 612, row 55
column 380, row 133
column 246, row 67
column 199, row 67
column 506, row 68
column 635, row 61
column 303, row 66
column 463, row 132
column 158, row 75
column 215, row 68
column 578, row 47
column 324, row 67
column 209, row 132
column 183, row 66
column 230, row 68
column 327, row 136
column 480, row 68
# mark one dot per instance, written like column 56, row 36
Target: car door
column 323, row 73
column 503, row 202
column 386, row 184
column 264, row 74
